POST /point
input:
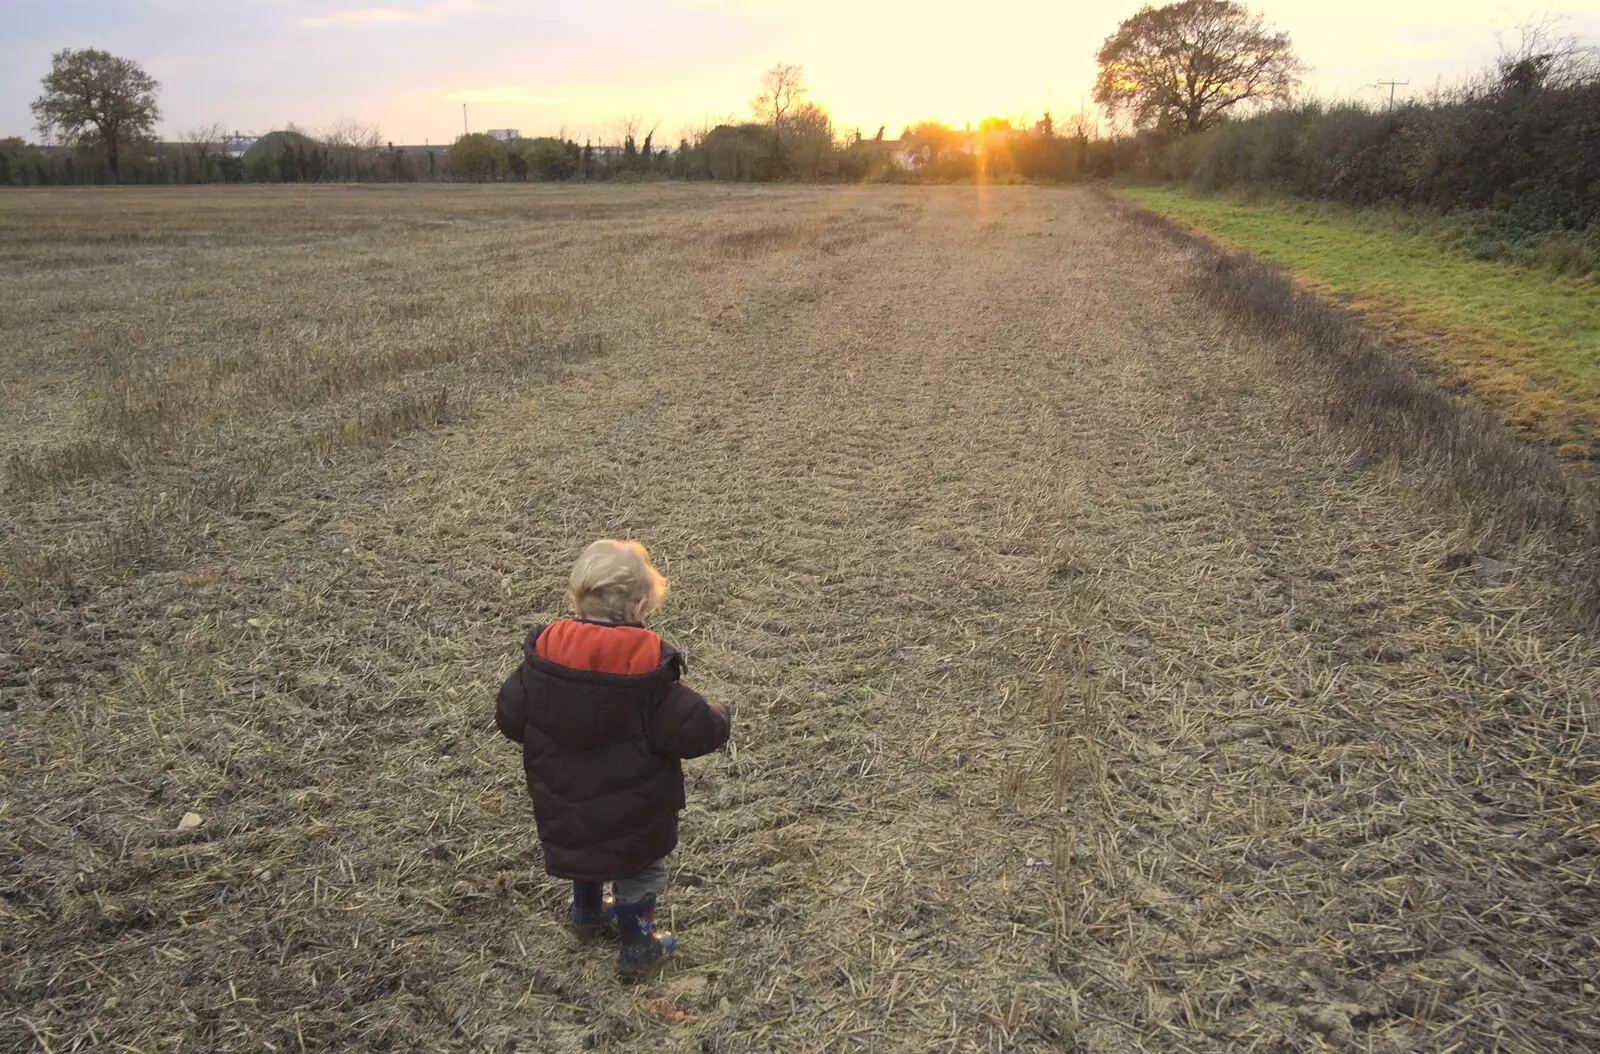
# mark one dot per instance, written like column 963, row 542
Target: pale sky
column 407, row 66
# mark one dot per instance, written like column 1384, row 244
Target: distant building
column 505, row 135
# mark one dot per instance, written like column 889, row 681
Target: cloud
column 434, row 12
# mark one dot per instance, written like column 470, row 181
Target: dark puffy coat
column 602, row 749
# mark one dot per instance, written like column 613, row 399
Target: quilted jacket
column 605, row 722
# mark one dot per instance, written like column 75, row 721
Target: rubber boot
column 592, row 909
column 642, row 945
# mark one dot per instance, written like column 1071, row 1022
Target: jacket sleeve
column 511, row 707
column 686, row 726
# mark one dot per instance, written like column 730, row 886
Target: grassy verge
column 1507, row 491
column 1526, row 342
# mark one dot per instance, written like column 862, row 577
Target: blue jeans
column 645, row 883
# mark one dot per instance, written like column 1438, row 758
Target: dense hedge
column 1529, row 152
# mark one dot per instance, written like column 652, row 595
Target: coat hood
column 585, row 708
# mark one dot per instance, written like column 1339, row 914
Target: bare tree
column 204, row 145
column 628, row 126
column 1185, row 65
column 351, row 147
column 628, row 137
column 94, row 96
column 1080, row 125
column 693, row 132
column 351, row 133
column 782, row 89
column 1546, row 57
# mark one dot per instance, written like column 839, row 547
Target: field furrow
column 1089, row 694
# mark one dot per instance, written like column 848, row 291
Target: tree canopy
column 1185, row 65
column 925, row 141
column 549, row 158
column 477, row 158
column 809, row 140
column 94, row 96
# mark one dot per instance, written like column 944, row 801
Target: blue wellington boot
column 642, row 945
column 591, row 909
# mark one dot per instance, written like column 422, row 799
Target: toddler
column 604, row 723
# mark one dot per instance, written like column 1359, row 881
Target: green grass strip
column 1528, row 339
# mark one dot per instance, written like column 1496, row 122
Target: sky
column 586, row 67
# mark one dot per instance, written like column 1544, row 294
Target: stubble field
column 1094, row 687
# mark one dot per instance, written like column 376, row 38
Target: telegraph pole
column 1392, row 85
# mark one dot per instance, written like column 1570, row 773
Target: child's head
column 615, row 581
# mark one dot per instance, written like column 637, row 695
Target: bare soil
column 1089, row 693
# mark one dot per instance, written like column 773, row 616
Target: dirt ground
column 1089, row 695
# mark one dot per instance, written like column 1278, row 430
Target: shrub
column 1525, row 151
column 478, row 158
column 551, row 159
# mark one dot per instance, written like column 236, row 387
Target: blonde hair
column 614, row 581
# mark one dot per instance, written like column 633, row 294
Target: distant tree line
column 788, row 138
column 1203, row 91
column 102, row 110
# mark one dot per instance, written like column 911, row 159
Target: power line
column 1392, row 85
